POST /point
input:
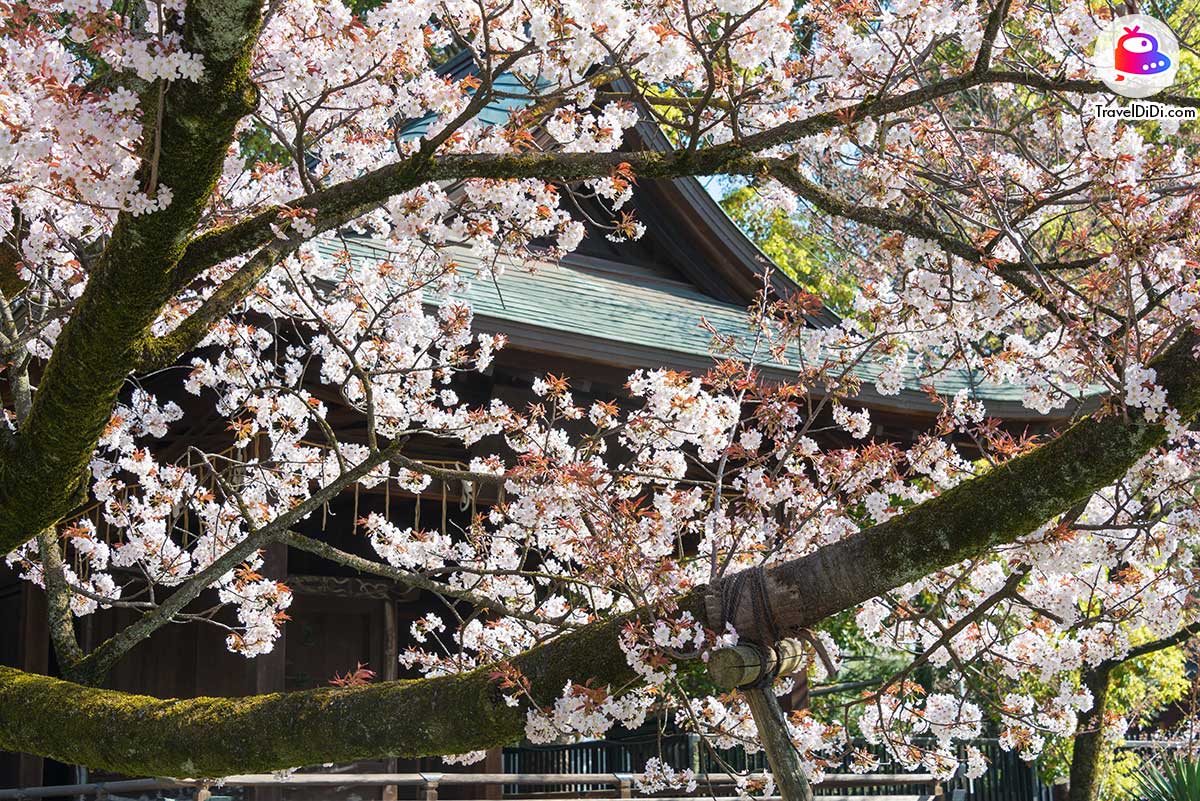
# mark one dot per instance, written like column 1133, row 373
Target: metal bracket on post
column 752, row 669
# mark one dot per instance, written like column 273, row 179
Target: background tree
column 798, row 252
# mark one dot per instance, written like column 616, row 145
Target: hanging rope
column 729, row 594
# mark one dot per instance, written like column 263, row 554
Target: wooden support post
column 270, row 670
column 390, row 670
column 35, row 658
column 493, row 763
column 752, row 670
column 624, row 785
column 781, row 754
column 431, row 785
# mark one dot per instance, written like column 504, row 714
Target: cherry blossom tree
column 175, row 177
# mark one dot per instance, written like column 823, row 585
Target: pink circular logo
column 1136, row 56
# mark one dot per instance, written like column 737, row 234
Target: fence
column 427, row 786
column 603, row 768
column 1008, row 778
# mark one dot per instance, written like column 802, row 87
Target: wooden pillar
column 493, row 763
column 771, row 723
column 799, row 697
column 270, row 670
column 390, row 670
column 35, row 658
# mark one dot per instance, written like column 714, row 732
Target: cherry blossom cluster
column 1014, row 245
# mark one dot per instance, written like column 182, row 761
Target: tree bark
column 150, row 258
column 1089, row 742
column 1003, row 504
column 212, row 737
column 1088, row 749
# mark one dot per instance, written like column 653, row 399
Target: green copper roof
column 616, row 314
column 619, row 315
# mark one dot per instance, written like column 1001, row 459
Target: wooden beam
column 35, row 658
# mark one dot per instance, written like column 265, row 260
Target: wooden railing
column 427, row 785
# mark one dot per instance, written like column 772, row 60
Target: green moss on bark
column 1003, row 504
column 219, row 736
column 210, row 737
column 42, row 470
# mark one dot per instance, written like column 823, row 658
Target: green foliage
column 1141, row 689
column 1139, row 692
column 259, row 145
column 1176, row 780
column 1146, row 686
column 793, row 249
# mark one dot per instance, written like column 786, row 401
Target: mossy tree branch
column 151, row 258
column 58, row 601
column 452, row 714
column 162, row 351
column 339, row 204
column 997, row 507
column 42, row 469
column 210, row 737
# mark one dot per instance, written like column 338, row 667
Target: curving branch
column 1089, row 747
column 93, row 667
column 151, row 258
column 453, row 714
column 412, row 578
column 885, row 220
column 339, row 204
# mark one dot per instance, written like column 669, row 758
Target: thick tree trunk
column 1089, row 742
column 1088, row 750
column 42, row 472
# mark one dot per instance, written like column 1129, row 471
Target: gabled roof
column 495, row 113
column 724, row 260
column 684, row 223
column 614, row 312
